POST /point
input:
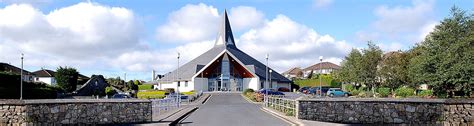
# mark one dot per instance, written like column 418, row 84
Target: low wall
column 75, row 111
column 398, row 111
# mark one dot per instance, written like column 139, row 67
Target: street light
column 271, row 86
column 321, row 72
column 266, row 74
column 21, row 78
column 178, row 98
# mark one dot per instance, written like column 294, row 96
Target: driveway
column 230, row 109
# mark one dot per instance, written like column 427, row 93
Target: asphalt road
column 230, row 109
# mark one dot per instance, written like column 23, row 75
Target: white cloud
column 161, row 60
column 399, row 26
column 291, row 44
column 427, row 29
column 403, row 18
column 322, row 3
column 189, row 24
column 83, row 34
column 244, row 17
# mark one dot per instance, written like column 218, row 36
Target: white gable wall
column 47, row 80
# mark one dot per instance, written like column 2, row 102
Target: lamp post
column 178, row 98
column 271, row 86
column 266, row 74
column 21, row 78
column 321, row 72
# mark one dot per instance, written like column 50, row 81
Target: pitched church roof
column 224, row 44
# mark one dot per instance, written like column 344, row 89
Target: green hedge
column 151, row 94
column 10, row 88
column 405, row 92
column 145, row 87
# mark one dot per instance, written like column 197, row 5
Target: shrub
column 384, row 92
column 425, row 93
column 246, row 91
column 348, row 87
column 110, row 91
column 405, row 92
column 355, row 92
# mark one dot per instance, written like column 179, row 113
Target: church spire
column 225, row 36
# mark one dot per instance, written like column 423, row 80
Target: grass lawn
column 151, row 94
column 145, row 87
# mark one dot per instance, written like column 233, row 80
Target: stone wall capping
column 56, row 101
column 392, row 100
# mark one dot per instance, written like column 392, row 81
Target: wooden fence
column 281, row 104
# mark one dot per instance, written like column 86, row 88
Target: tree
column 446, row 58
column 131, row 85
column 369, row 65
column 137, row 82
column 350, row 68
column 66, row 77
column 394, row 70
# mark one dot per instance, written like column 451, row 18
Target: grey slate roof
column 224, row 42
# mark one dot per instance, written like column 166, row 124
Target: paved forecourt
column 231, row 109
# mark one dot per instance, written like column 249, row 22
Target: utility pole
column 21, row 78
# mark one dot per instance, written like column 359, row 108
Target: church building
column 223, row 68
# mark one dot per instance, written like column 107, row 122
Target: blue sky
column 116, row 36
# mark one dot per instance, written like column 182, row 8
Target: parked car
column 120, row 96
column 303, row 89
column 337, row 92
column 269, row 92
column 315, row 90
column 283, row 89
column 174, row 95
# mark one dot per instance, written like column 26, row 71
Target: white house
column 223, row 68
column 324, row 68
column 45, row 76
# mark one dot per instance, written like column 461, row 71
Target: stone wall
column 398, row 111
column 72, row 111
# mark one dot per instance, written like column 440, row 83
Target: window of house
column 185, row 83
column 179, row 85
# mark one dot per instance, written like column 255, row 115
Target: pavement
column 231, row 109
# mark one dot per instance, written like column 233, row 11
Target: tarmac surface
column 230, row 109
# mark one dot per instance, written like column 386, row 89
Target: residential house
column 324, row 68
column 45, row 76
column 7, row 68
column 293, row 73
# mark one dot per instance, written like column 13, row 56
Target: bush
column 384, row 92
column 355, row 92
column 348, row 87
column 404, row 92
column 169, row 90
column 426, row 93
column 246, row 91
column 110, row 91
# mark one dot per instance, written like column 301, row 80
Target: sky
column 114, row 37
